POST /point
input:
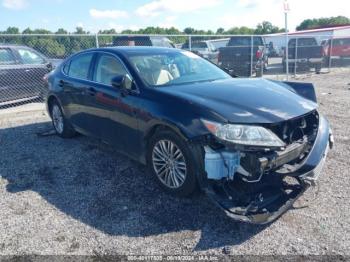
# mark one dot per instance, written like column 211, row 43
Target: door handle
column 62, row 83
column 91, row 91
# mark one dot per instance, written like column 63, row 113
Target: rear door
column 11, row 80
column 75, row 83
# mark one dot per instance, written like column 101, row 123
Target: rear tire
column 61, row 125
column 318, row 68
column 171, row 162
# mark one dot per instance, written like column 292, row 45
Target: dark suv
column 244, row 55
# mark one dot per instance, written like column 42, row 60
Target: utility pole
column 286, row 11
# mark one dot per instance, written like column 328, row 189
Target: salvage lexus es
column 253, row 146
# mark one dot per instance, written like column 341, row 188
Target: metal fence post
column 251, row 55
column 96, row 39
column 190, row 42
column 330, row 55
column 295, row 57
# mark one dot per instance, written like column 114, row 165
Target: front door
column 117, row 121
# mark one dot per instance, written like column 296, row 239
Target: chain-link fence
column 25, row 60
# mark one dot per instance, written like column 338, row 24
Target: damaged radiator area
column 251, row 184
column 225, row 161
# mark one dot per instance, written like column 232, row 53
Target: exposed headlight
column 244, row 134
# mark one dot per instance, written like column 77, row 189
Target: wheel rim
column 57, row 119
column 169, row 164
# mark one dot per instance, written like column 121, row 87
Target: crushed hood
column 245, row 100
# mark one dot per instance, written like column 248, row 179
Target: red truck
column 338, row 48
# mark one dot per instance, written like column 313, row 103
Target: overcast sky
column 133, row 14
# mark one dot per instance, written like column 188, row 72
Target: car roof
column 13, row 46
column 132, row 50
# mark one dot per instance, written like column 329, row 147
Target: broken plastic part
column 221, row 164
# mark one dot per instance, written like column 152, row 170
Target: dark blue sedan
column 252, row 145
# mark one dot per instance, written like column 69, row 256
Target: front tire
column 171, row 162
column 61, row 125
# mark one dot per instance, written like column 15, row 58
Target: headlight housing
column 244, row 134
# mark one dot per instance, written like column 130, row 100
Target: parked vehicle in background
column 271, row 50
column 204, row 49
column 159, row 41
column 337, row 48
column 22, row 71
column 253, row 146
column 303, row 53
column 218, row 43
column 244, row 55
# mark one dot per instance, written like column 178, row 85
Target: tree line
column 61, row 44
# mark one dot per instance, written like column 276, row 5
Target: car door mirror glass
column 50, row 66
column 127, row 82
column 122, row 81
column 117, row 81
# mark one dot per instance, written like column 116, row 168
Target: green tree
column 61, row 31
column 267, row 28
column 80, row 31
column 12, row 30
column 220, row 31
column 189, row 30
column 243, row 30
column 323, row 22
column 27, row 31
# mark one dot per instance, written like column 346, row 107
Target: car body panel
column 245, row 100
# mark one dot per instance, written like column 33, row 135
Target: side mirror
column 123, row 82
column 50, row 66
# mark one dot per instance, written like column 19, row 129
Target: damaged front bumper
column 263, row 202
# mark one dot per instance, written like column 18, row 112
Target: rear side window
column 132, row 41
column 6, row 57
column 107, row 68
column 303, row 42
column 66, row 68
column 30, row 57
column 343, row 41
column 79, row 66
column 245, row 41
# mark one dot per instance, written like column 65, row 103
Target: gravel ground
column 78, row 196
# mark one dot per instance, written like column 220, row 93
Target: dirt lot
column 78, row 196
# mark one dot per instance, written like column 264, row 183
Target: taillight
column 258, row 54
column 46, row 78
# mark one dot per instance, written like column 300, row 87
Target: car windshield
column 245, row 41
column 196, row 46
column 175, row 68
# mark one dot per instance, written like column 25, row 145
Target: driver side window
column 30, row 57
column 107, row 68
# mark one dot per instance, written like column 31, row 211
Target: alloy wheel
column 57, row 119
column 169, row 164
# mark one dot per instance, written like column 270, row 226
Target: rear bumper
column 306, row 60
column 271, row 200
